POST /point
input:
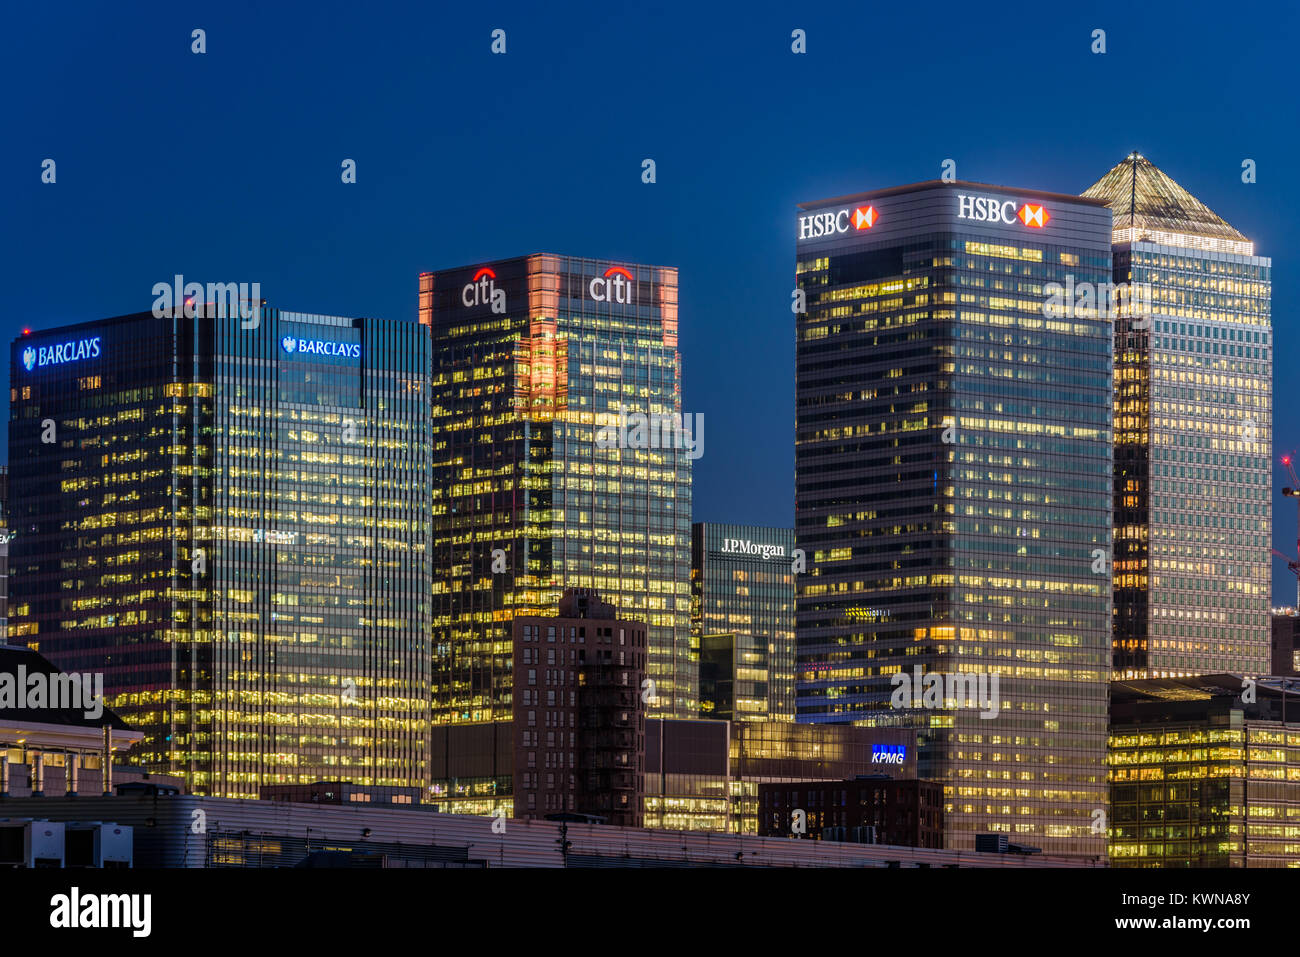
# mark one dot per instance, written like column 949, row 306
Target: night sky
column 225, row 167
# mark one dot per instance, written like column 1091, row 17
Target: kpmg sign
column 888, row 753
column 294, row 345
column 38, row 357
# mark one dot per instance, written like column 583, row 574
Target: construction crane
column 1293, row 491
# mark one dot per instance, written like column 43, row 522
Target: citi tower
column 533, row 357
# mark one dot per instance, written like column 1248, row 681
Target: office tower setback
column 579, row 721
column 742, row 613
column 1193, row 433
column 953, row 494
column 541, row 479
column 228, row 518
column 1201, row 777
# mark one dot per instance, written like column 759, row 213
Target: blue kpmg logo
column 320, row 347
column 38, row 357
column 888, row 753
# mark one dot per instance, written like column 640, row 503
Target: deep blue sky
column 225, row 166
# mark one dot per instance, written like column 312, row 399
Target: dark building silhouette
column 1285, row 624
column 867, row 810
column 579, row 721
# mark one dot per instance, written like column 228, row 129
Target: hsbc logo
column 829, row 224
column 482, row 290
column 617, row 285
column 1033, row 216
column 988, row 209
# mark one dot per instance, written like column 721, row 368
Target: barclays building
column 228, row 518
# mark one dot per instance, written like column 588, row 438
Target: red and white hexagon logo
column 1035, row 216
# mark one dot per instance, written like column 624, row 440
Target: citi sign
column 482, row 291
column 989, row 209
column 617, row 285
column 829, row 224
column 37, row 357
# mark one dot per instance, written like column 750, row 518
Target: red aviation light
column 864, row 217
column 1033, row 216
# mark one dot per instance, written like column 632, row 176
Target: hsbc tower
column 953, row 494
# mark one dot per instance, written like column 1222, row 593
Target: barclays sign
column 38, row 357
column 294, row 345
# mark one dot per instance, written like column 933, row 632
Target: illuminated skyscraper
column 742, row 611
column 1193, row 428
column 532, row 357
column 229, row 518
column 953, row 493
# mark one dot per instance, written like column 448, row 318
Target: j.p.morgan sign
column 743, row 546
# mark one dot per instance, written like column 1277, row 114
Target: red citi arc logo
column 617, row 285
column 482, row 291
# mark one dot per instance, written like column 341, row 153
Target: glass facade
column 704, row 775
column 1201, row 779
column 742, row 614
column 229, row 519
column 532, row 358
column 953, row 492
column 1193, row 433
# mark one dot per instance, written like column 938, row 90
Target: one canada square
column 953, row 481
column 1193, row 430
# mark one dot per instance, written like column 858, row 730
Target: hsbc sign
column 819, row 225
column 989, row 209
